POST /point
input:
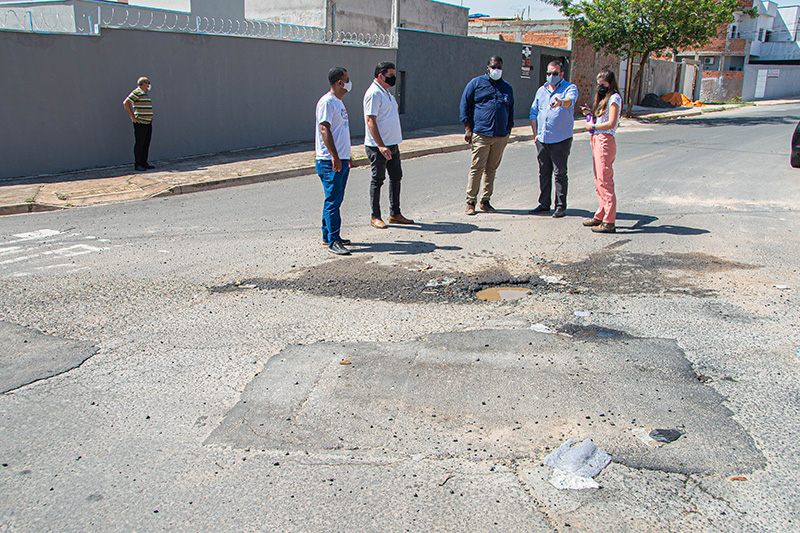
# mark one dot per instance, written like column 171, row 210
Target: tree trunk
column 634, row 92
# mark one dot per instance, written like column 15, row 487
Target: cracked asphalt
column 209, row 392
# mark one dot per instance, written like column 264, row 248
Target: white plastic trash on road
column 541, row 328
column 576, row 463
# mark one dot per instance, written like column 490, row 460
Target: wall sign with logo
column 527, row 52
column 774, row 73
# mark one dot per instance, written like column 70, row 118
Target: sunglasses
column 553, row 73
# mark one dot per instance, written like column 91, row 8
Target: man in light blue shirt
column 552, row 120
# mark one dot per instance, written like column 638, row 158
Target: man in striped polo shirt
column 140, row 109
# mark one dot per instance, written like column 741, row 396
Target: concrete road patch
column 27, row 355
column 496, row 394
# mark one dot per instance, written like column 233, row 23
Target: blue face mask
column 553, row 79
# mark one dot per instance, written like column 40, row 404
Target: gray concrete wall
column 658, row 77
column 362, row 16
column 787, row 84
column 433, row 92
column 227, row 9
column 433, row 16
column 300, row 12
column 723, row 88
column 210, row 94
column 51, row 17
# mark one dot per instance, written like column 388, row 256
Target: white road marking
column 44, row 246
column 33, row 235
column 71, row 251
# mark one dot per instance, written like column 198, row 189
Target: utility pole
column 395, row 21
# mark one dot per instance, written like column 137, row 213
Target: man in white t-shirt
column 332, row 141
column 383, row 135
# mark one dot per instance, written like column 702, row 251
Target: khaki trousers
column 486, row 155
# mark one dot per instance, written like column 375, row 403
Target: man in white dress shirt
column 383, row 135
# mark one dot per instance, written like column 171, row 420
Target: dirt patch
column 632, row 273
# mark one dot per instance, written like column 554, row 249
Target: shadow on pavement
column 735, row 121
column 642, row 224
column 399, row 247
column 446, row 228
column 511, row 211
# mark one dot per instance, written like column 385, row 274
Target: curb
column 28, row 207
column 305, row 171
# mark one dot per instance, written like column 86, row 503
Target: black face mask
column 602, row 90
column 390, row 80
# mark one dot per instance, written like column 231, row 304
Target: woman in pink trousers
column 603, row 118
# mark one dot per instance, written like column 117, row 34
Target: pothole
column 605, row 273
column 362, row 279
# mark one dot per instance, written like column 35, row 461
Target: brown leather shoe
column 605, row 228
column 377, row 223
column 470, row 210
column 399, row 219
column 487, row 207
column 592, row 222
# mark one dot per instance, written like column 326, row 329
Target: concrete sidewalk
column 179, row 176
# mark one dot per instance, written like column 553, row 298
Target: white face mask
column 348, row 86
column 495, row 73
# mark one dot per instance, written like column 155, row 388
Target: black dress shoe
column 140, row 168
column 344, row 241
column 338, row 248
column 539, row 209
column 148, row 166
column 559, row 212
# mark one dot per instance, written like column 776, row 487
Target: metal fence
column 50, row 19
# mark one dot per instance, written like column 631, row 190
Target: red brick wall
column 554, row 39
column 726, row 74
column 718, row 44
column 586, row 63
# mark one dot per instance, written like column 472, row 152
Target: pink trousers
column 604, row 150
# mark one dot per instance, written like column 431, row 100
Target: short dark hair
column 384, row 67
column 498, row 58
column 335, row 74
column 558, row 63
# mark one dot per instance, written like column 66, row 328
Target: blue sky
column 539, row 10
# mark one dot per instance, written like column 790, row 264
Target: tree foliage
column 637, row 28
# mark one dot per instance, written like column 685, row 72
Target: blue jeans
column 333, row 184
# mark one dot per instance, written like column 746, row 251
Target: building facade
column 752, row 57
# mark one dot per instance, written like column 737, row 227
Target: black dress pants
column 553, row 155
column 379, row 166
column 141, row 148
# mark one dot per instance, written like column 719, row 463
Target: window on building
column 761, row 34
column 734, row 32
column 767, row 36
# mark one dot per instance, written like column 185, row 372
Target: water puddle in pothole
column 496, row 294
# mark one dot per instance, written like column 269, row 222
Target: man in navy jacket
column 487, row 111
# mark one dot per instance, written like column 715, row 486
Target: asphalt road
column 175, row 364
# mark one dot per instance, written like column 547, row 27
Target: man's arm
column 511, row 112
column 534, row 117
column 570, row 96
column 372, row 124
column 327, row 139
column 128, row 105
column 467, row 109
